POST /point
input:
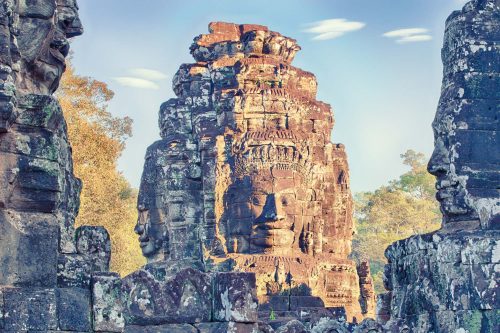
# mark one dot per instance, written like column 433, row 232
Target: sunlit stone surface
column 246, row 178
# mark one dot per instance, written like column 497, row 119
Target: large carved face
column 153, row 238
column 44, row 29
column 269, row 211
column 152, row 233
column 464, row 160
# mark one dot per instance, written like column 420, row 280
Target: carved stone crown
column 265, row 156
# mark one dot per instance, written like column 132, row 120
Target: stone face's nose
column 272, row 209
column 75, row 28
column 139, row 228
column 439, row 162
column 71, row 25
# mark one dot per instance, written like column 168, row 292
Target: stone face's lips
column 60, row 48
column 143, row 240
column 443, row 183
column 272, row 237
column 277, row 225
column 447, row 191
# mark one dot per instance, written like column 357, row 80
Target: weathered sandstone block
column 235, row 298
column 74, row 312
column 107, row 305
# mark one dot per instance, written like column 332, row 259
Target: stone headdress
column 280, row 149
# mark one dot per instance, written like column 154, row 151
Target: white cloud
column 405, row 32
column 409, row 35
column 148, row 74
column 332, row 28
column 415, row 38
column 136, row 83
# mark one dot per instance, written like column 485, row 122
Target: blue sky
column 384, row 90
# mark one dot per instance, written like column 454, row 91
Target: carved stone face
column 43, row 41
column 463, row 161
column 266, row 211
column 68, row 20
column 151, row 235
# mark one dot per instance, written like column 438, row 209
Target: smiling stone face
column 269, row 207
column 152, row 236
column 265, row 211
column 466, row 156
column 464, row 162
column 42, row 38
column 253, row 182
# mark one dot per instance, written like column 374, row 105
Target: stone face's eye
column 284, row 201
column 258, row 199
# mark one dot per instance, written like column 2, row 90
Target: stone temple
column 246, row 178
column 245, row 213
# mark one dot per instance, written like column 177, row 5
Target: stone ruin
column 46, row 266
column 447, row 281
column 245, row 177
column 245, row 213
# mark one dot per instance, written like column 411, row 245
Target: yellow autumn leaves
column 404, row 207
column 97, row 139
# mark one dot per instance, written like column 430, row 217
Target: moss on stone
column 472, row 321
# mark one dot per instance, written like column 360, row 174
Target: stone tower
column 447, row 281
column 46, row 266
column 246, row 178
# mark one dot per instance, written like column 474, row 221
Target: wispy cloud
column 141, row 78
column 332, row 28
column 415, row 38
column 148, row 74
column 135, row 82
column 409, row 35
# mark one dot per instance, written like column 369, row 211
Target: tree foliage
column 98, row 139
column 402, row 208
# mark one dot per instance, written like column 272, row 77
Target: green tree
column 98, row 139
column 402, row 208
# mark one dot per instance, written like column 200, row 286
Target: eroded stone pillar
column 45, row 264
